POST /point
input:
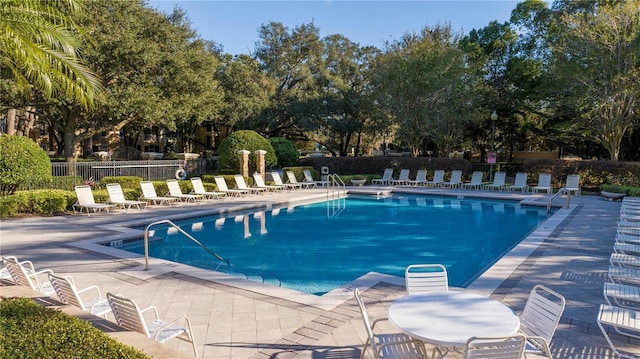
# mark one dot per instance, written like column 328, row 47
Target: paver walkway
column 235, row 322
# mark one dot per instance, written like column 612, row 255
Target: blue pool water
column 317, row 247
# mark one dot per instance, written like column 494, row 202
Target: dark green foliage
column 376, row 165
column 125, row 181
column 32, row 331
column 228, row 157
column 22, row 162
column 66, row 182
column 38, row 202
column 285, row 151
column 629, row 190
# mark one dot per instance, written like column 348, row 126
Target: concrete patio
column 250, row 321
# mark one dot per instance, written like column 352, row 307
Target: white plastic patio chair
column 426, row 278
column 175, row 191
column 511, row 347
column 544, row 184
column 278, row 181
column 520, row 183
column 291, row 177
column 421, row 178
column 403, row 177
column 387, row 176
column 455, row 180
column 476, row 180
column 258, row 181
column 130, row 317
column 198, row 188
column 242, row 185
column 572, row 185
column 625, row 322
column 388, row 346
column 66, row 290
column 24, row 273
column 149, row 194
column 622, row 295
column 498, row 183
column 222, row 187
column 86, row 200
column 308, row 177
column 539, row 319
column 116, row 197
column 438, row 179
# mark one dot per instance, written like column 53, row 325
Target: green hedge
column 628, row 190
column 37, row 202
column 30, row 330
column 132, row 182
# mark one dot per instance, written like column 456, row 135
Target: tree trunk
column 11, row 121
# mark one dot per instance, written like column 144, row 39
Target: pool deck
column 236, row 319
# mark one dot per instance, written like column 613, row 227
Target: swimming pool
column 317, row 247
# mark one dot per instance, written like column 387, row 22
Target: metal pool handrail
column 146, row 243
column 568, row 203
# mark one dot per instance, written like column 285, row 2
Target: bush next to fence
column 22, row 162
column 66, row 182
column 228, row 157
column 628, row 190
column 297, row 170
column 36, row 202
column 125, row 181
column 593, row 174
column 33, row 331
column 285, row 151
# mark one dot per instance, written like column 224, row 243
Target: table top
column 451, row 318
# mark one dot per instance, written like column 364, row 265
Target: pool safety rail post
column 146, row 243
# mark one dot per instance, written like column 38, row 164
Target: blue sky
column 235, row 24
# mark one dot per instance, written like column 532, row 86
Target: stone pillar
column 260, row 160
column 244, row 162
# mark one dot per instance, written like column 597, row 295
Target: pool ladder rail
column 246, row 273
column 560, row 192
column 336, row 195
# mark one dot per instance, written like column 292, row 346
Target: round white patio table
column 449, row 319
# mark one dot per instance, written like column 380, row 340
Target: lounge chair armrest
column 373, row 324
column 173, row 323
column 28, row 265
column 539, row 342
column 155, row 310
column 91, row 287
column 100, row 302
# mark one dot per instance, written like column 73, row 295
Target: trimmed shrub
column 30, row 330
column 22, row 162
column 66, row 182
column 285, row 151
column 38, row 202
column 125, row 181
column 628, row 190
column 251, row 141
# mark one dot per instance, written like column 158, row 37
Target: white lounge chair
column 624, row 260
column 539, row 319
column 572, row 186
column 242, row 185
column 498, row 181
column 308, row 177
column 24, row 273
column 476, row 180
column 622, row 295
column 403, row 177
column 175, row 191
column 130, row 317
column 258, row 181
column 86, row 200
column 625, row 322
column 438, row 179
column 388, row 346
column 421, row 178
column 425, row 278
column 455, row 180
column 627, row 248
column 544, row 184
column 116, row 197
column 149, row 194
column 222, row 187
column 198, row 188
column 623, row 275
column 66, row 290
column 511, row 347
column 387, row 176
column 278, row 181
column 292, row 179
column 520, row 183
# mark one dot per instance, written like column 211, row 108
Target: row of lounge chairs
column 538, row 322
column 86, row 200
column 477, row 181
column 126, row 312
column 622, row 289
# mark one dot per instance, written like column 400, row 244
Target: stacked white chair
column 622, row 290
